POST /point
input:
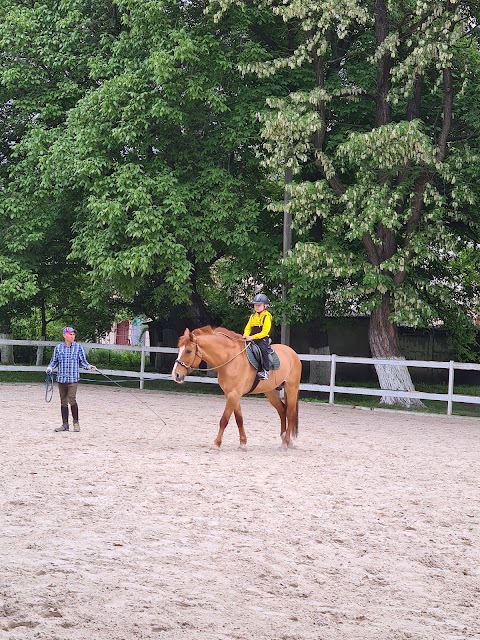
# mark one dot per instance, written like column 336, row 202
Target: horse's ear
column 184, row 339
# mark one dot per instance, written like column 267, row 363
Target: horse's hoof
column 215, row 447
column 242, row 447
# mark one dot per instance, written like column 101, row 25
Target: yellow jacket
column 259, row 325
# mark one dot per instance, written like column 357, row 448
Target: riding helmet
column 261, row 298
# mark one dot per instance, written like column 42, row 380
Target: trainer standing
column 68, row 357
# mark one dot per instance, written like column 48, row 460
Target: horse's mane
column 202, row 330
column 207, row 330
column 185, row 339
column 228, row 333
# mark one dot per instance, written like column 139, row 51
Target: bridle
column 199, row 354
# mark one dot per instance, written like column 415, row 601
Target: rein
column 132, row 393
column 199, row 354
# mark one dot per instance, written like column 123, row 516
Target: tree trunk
column 318, row 345
column 384, row 344
column 40, row 351
column 196, row 314
column 319, row 370
column 6, row 350
column 43, row 333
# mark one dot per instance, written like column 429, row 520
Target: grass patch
column 87, row 378
column 22, row 376
column 431, row 406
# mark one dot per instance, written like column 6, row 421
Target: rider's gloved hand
column 93, row 367
column 49, row 370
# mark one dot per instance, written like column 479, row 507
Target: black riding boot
column 64, row 426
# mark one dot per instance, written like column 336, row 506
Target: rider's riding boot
column 64, row 427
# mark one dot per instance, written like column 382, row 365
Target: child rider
column 258, row 328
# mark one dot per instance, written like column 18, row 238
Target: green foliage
column 121, row 360
column 159, row 161
column 44, row 49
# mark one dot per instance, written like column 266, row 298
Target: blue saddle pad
column 255, row 357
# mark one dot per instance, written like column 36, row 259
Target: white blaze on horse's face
column 178, row 377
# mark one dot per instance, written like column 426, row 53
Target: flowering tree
column 382, row 203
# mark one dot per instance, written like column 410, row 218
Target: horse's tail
column 295, row 422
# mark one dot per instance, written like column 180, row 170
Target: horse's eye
column 188, row 351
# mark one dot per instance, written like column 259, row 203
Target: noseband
column 187, row 366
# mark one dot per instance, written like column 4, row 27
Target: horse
column 224, row 351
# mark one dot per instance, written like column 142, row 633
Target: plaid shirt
column 67, row 360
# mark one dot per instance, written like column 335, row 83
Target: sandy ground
column 368, row 529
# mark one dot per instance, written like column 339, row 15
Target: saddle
column 254, row 356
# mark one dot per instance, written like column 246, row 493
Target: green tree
column 162, row 151
column 45, row 53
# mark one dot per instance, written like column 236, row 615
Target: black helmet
column 261, row 298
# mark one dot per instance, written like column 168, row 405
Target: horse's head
column 188, row 357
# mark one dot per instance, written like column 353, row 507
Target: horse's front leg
column 233, row 405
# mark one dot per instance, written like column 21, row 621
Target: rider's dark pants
column 263, row 344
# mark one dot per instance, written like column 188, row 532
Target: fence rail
column 332, row 388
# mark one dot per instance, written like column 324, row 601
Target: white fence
column 450, row 397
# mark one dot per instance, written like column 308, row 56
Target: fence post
column 142, row 366
column 451, row 376
column 331, row 398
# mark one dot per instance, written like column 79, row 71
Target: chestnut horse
column 224, row 351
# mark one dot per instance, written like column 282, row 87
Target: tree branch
column 319, row 135
column 383, row 66
column 447, row 114
column 371, row 249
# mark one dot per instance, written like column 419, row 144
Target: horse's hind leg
column 291, row 400
column 276, row 401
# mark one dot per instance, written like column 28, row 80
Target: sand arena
column 367, row 530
